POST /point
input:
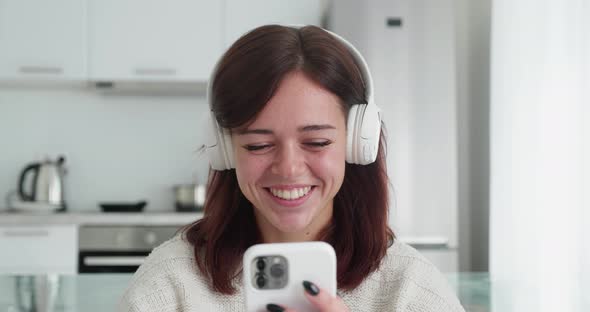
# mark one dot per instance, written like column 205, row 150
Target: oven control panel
column 124, row 238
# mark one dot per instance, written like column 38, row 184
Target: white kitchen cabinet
column 243, row 16
column 39, row 249
column 139, row 40
column 42, row 40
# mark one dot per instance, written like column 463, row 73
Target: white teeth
column 291, row 194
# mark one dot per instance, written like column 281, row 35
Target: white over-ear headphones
column 363, row 124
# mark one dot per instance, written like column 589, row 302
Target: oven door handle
column 113, row 260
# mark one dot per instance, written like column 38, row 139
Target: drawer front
column 39, row 249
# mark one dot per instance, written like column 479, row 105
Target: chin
column 292, row 224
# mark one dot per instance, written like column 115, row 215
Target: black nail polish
column 271, row 307
column 311, row 288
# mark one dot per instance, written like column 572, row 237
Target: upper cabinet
column 132, row 40
column 242, row 16
column 149, row 40
column 42, row 40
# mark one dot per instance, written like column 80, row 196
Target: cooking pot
column 189, row 197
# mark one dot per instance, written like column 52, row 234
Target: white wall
column 540, row 93
column 117, row 147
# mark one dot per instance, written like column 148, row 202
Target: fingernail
column 311, row 288
column 274, row 308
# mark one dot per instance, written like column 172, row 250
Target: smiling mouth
column 291, row 194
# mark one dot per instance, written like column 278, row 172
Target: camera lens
column 260, row 281
column 260, row 264
column 277, row 270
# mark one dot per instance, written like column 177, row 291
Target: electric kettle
column 46, row 188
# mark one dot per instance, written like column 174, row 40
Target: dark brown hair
column 246, row 78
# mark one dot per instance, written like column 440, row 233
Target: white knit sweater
column 170, row 281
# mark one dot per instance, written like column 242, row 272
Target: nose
column 289, row 161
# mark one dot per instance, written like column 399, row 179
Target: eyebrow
column 300, row 129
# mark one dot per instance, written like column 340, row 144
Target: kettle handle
column 21, row 181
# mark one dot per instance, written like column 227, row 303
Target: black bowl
column 123, row 207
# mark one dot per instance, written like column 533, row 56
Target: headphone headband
column 358, row 57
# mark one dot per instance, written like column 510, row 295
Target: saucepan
column 189, row 197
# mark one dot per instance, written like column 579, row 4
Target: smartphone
column 274, row 273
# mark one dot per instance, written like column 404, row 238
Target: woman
column 281, row 99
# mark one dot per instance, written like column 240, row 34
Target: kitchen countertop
column 100, row 218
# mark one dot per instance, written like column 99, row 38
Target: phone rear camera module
column 269, row 272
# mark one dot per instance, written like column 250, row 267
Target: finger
column 321, row 299
column 272, row 307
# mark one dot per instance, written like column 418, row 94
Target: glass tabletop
column 62, row 293
column 101, row 292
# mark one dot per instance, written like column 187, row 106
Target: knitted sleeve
column 159, row 283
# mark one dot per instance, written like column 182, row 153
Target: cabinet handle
column 114, row 261
column 40, row 70
column 25, row 233
column 155, row 71
column 426, row 242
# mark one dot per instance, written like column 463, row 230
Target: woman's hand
column 319, row 298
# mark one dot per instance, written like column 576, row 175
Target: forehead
column 300, row 101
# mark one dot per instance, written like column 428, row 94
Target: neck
column 281, row 237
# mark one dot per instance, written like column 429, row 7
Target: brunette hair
column 246, row 78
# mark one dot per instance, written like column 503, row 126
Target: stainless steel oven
column 114, row 249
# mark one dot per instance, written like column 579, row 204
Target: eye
column 256, row 147
column 318, row 144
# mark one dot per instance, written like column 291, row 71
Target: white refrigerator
column 410, row 48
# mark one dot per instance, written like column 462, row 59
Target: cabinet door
column 242, row 16
column 39, row 249
column 139, row 40
column 42, row 40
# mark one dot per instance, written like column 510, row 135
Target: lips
column 291, row 196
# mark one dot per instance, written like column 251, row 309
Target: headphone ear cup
column 351, row 134
column 219, row 149
column 363, row 132
column 228, row 150
column 215, row 159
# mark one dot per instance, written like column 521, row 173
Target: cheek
column 330, row 166
column 249, row 169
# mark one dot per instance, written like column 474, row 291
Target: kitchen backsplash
column 118, row 147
